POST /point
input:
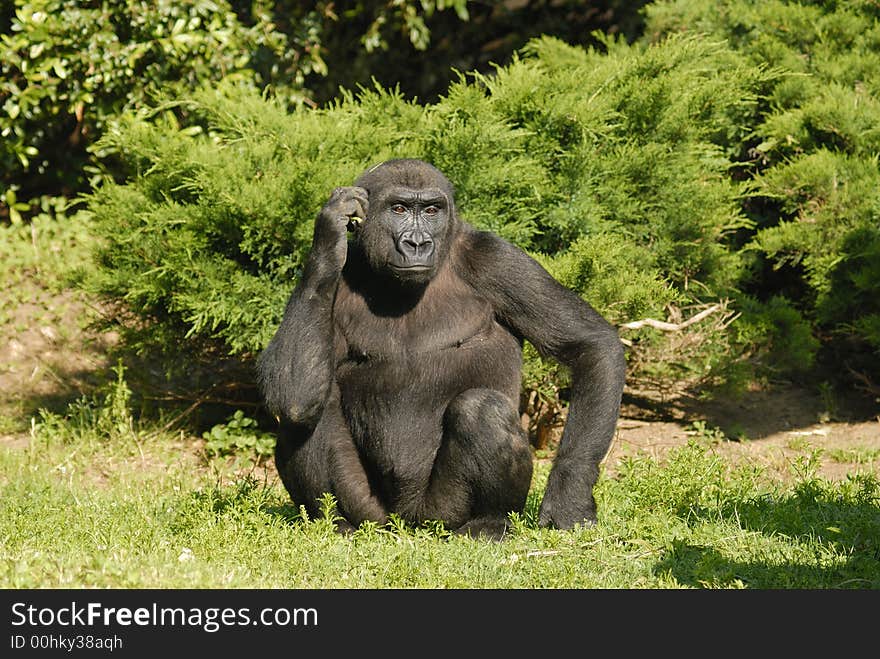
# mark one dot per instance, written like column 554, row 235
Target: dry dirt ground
column 772, row 427
column 48, row 357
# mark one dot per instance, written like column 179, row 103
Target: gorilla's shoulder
column 477, row 243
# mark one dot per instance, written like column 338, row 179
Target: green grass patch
column 97, row 500
column 42, row 255
column 858, row 455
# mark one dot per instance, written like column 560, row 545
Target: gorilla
column 395, row 371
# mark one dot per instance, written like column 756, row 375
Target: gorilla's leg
column 483, row 468
column 325, row 460
column 302, row 465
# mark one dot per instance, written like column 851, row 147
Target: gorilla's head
column 410, row 221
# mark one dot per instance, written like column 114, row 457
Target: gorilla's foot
column 485, row 528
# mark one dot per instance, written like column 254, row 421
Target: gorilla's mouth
column 415, row 267
column 412, row 273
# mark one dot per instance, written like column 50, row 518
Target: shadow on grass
column 841, row 537
column 69, row 386
column 289, row 513
column 705, row 567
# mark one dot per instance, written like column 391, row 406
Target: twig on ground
column 178, row 417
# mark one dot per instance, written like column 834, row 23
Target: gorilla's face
column 409, row 220
column 405, row 229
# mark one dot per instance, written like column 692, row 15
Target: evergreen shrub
column 812, row 162
column 612, row 168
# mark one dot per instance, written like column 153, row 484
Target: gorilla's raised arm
column 297, row 368
column 560, row 324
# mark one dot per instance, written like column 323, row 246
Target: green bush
column 814, row 195
column 612, row 169
column 67, row 67
column 777, row 331
column 650, row 178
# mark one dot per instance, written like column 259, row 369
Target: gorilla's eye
column 431, row 210
column 400, row 209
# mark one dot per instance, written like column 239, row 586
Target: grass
column 864, row 456
column 93, row 497
column 94, row 500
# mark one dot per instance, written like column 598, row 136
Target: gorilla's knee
column 484, row 425
column 482, row 412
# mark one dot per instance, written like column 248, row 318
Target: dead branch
column 864, row 382
column 202, row 399
column 672, row 327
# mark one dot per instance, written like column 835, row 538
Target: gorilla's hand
column 567, row 501
column 344, row 205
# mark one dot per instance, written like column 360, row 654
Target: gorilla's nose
column 417, row 246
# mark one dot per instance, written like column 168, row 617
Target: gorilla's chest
column 448, row 317
column 399, row 366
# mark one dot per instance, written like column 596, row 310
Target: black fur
column 395, row 371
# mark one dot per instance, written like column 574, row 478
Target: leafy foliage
column 815, row 200
column 239, row 434
column 423, row 57
column 620, row 188
column 651, row 178
column 67, row 67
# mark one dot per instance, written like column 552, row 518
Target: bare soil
column 771, row 427
column 48, row 357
